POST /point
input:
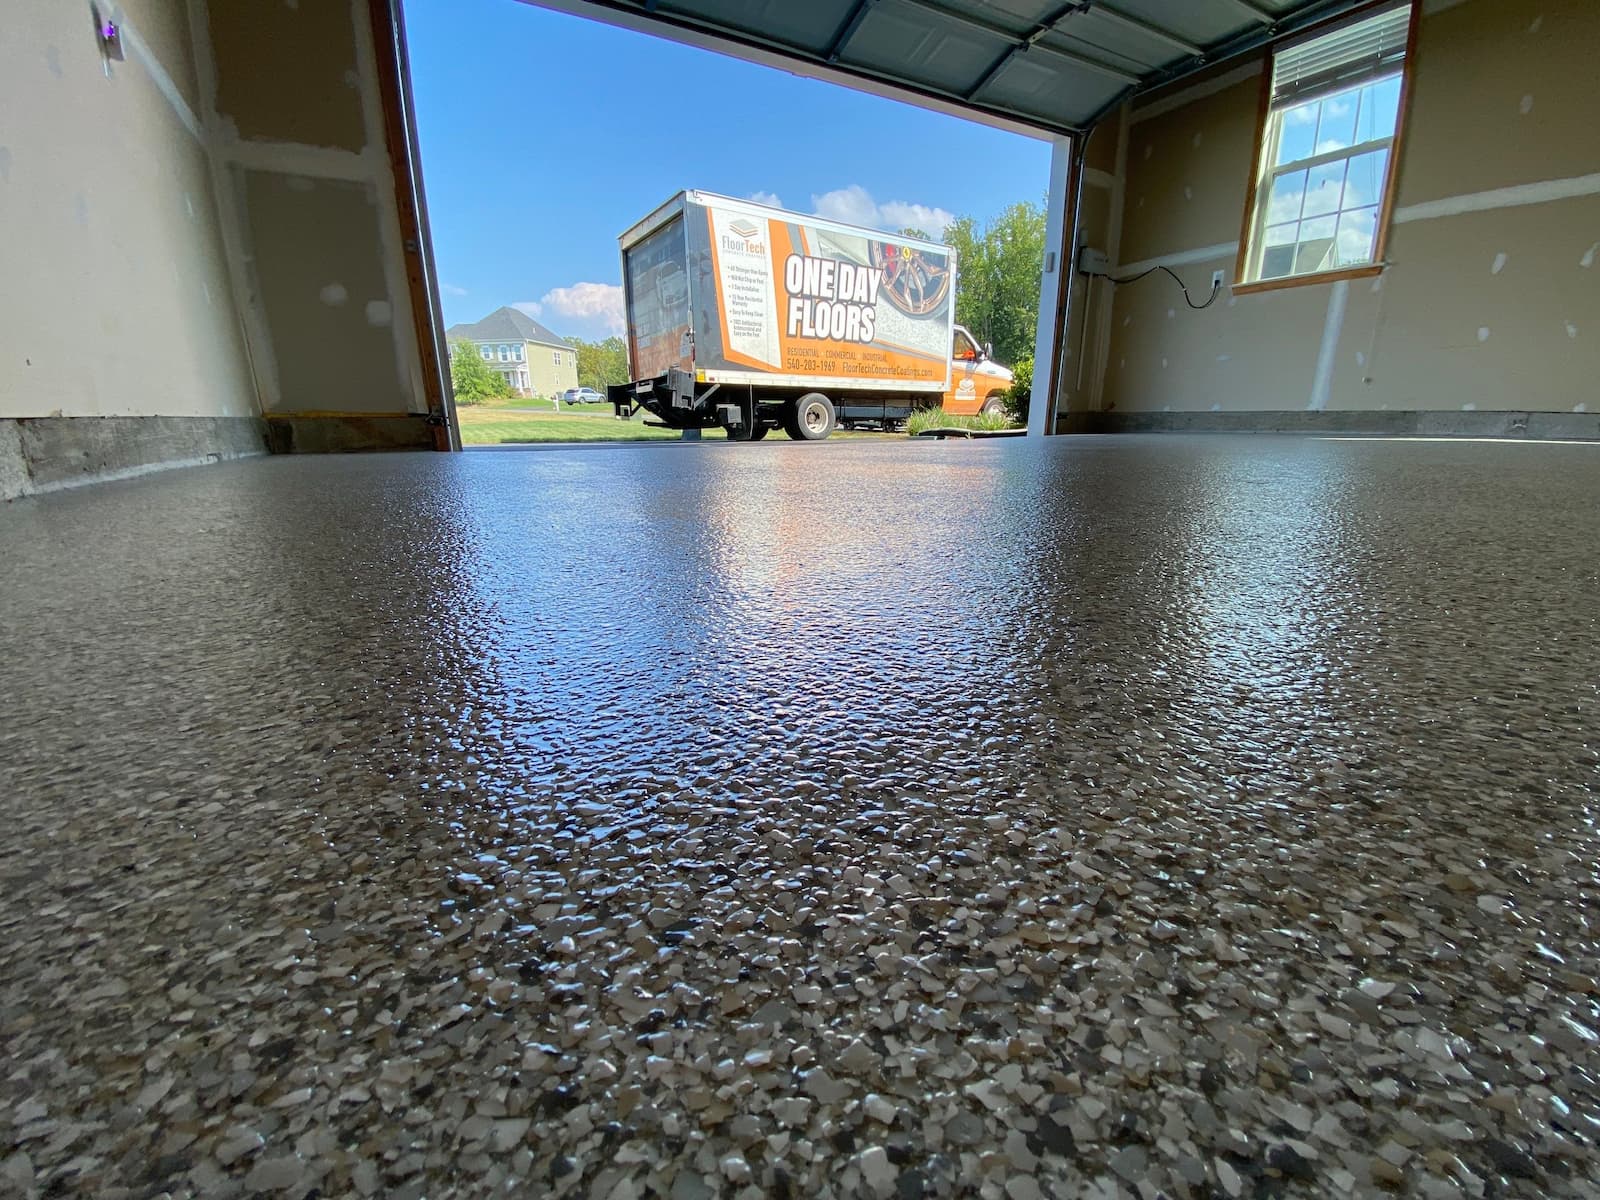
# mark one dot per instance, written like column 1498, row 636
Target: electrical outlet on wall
column 1216, row 280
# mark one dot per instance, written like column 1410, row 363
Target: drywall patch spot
column 333, row 295
column 1188, row 193
column 1126, row 321
column 52, row 59
column 1232, row 300
column 80, row 210
column 1377, row 284
column 1148, row 151
column 1483, row 333
column 1224, row 357
column 1527, row 105
column 1469, row 408
column 1163, row 364
column 379, row 313
column 5, row 164
column 1499, row 264
column 205, row 290
column 1216, row 408
column 1580, row 408
column 352, row 80
column 1197, row 138
column 1538, row 23
column 188, row 204
column 1572, row 330
column 1361, row 358
column 1587, row 260
column 1171, row 312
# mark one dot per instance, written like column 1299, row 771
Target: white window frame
column 516, row 352
column 1265, row 172
column 486, row 353
column 555, row 357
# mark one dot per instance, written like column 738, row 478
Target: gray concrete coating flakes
column 1186, row 817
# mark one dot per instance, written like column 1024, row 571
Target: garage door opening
column 544, row 135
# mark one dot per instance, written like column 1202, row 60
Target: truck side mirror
column 988, row 349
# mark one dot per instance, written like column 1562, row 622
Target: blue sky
column 545, row 135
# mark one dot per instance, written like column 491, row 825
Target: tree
column 601, row 363
column 1021, row 390
column 473, row 379
column 997, row 277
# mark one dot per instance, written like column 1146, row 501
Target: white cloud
column 897, row 214
column 854, row 205
column 594, row 309
column 450, row 289
column 770, row 199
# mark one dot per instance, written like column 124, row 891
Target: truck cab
column 977, row 382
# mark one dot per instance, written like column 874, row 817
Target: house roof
column 507, row 324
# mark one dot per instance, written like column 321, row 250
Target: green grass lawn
column 534, row 404
column 937, row 418
column 493, row 425
column 508, row 422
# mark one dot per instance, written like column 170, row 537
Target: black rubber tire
column 811, row 418
column 992, row 405
column 758, row 432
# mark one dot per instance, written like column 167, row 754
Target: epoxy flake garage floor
column 1185, row 817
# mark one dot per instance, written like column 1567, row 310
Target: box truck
column 750, row 318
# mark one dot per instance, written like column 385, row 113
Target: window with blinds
column 1326, row 159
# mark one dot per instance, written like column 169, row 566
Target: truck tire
column 757, row 432
column 993, row 404
column 811, row 419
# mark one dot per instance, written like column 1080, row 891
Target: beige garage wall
column 304, row 168
column 116, row 299
column 1491, row 300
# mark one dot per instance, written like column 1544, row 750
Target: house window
column 555, row 356
column 1325, row 161
column 505, row 353
column 486, row 353
column 516, row 353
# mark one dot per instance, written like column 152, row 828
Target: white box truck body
column 750, row 318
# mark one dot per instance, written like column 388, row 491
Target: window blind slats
column 1361, row 50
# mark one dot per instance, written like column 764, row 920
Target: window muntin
column 1327, row 150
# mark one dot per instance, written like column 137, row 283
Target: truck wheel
column 992, row 405
column 811, row 419
column 757, row 432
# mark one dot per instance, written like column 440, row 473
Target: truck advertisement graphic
column 794, row 297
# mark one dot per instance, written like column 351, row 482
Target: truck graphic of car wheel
column 915, row 281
